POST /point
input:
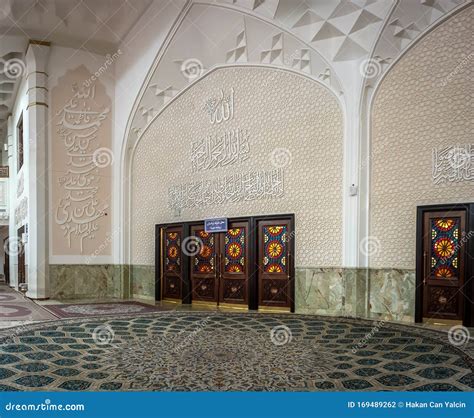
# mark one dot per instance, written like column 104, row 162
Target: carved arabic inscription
column 79, row 126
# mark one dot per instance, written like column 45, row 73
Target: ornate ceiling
column 347, row 45
column 95, row 25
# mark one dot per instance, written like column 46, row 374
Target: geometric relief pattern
column 275, row 249
column 407, row 125
column 234, row 250
column 153, row 170
column 204, row 259
column 342, row 31
column 252, row 41
column 445, row 247
column 231, row 352
column 408, row 21
column 173, row 251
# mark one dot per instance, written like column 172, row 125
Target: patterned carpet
column 78, row 310
column 15, row 307
column 182, row 351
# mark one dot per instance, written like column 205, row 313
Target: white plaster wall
column 139, row 50
column 280, row 110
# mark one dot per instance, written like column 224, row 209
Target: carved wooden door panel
column 172, row 262
column 21, row 257
column 274, row 272
column 443, row 264
column 203, row 265
column 234, row 264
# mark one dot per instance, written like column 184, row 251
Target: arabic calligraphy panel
column 81, row 130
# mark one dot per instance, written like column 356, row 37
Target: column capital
column 37, row 54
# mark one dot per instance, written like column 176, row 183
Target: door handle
column 425, row 272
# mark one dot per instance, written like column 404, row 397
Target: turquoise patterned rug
column 202, row 351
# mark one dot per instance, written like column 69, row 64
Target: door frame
column 468, row 310
column 21, row 267
column 253, row 258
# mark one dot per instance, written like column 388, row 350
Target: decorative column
column 35, row 139
column 12, row 232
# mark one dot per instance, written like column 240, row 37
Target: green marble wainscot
column 392, row 294
column 331, row 291
column 387, row 294
column 85, row 281
column 142, row 280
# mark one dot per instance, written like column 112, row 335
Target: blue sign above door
column 215, row 225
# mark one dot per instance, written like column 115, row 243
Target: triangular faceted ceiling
column 320, row 38
column 340, row 30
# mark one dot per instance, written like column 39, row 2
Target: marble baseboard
column 81, row 281
column 392, row 294
column 387, row 294
column 142, row 279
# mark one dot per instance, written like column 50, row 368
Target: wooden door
column 204, row 266
column 234, row 264
column 21, row 257
column 274, row 267
column 6, row 263
column 443, row 264
column 172, row 262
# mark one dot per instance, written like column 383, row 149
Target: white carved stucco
column 280, row 110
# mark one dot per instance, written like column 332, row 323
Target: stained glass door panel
column 172, row 259
column 204, row 269
column 234, row 264
column 274, row 263
column 443, row 264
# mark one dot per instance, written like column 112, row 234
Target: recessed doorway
column 445, row 238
